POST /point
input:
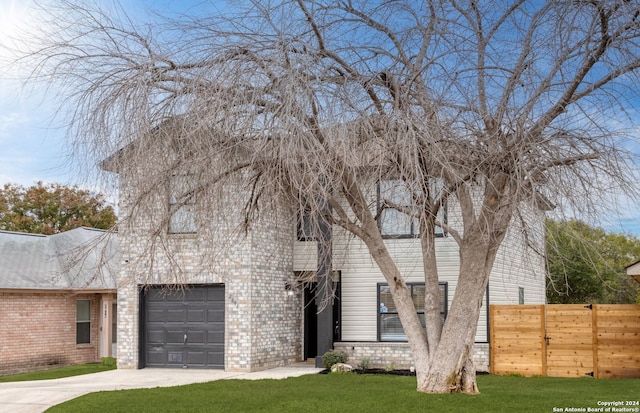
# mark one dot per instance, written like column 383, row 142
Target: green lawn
column 360, row 393
column 61, row 372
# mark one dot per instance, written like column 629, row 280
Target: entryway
column 311, row 318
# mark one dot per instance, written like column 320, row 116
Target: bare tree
column 489, row 105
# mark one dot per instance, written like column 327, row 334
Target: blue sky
column 32, row 145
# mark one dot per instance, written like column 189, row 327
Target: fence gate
column 566, row 340
column 569, row 340
column 517, row 340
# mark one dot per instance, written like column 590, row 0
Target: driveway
column 37, row 396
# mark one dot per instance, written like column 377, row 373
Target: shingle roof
column 83, row 258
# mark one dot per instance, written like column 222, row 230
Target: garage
column 182, row 328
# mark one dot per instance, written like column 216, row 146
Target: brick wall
column 262, row 319
column 276, row 312
column 127, row 328
column 38, row 331
column 398, row 355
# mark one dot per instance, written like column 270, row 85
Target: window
column 181, row 205
column 305, row 226
column 520, row 295
column 396, row 224
column 83, row 322
column 389, row 326
column 114, row 323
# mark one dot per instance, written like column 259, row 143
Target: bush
column 108, row 361
column 332, row 357
column 364, row 364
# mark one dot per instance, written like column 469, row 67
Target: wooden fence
column 565, row 340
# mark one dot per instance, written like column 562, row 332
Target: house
column 633, row 271
column 57, row 299
column 199, row 295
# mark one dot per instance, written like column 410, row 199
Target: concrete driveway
column 37, row 396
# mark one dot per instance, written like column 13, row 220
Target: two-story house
column 201, row 294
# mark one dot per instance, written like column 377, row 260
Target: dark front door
column 183, row 328
column 311, row 320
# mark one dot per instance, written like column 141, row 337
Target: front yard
column 107, row 363
column 368, row 393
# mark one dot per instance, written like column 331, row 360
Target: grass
column 58, row 373
column 360, row 393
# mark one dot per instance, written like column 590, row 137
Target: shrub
column 364, row 364
column 108, row 361
column 332, row 357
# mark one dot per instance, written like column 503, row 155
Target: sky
column 32, row 144
column 30, row 147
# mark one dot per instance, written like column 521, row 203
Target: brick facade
column 38, row 331
column 398, row 355
column 262, row 320
column 276, row 313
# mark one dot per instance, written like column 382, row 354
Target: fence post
column 543, row 344
column 492, row 317
column 594, row 339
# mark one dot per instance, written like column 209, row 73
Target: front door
column 311, row 319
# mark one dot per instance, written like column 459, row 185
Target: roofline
column 60, row 290
column 23, row 233
column 104, row 231
column 30, row 234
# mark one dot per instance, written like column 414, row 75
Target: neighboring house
column 246, row 308
column 57, row 299
column 633, row 271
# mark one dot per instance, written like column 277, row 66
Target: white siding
column 515, row 267
column 520, row 263
column 360, row 276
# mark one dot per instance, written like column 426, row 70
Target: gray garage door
column 184, row 328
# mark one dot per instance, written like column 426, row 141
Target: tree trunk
column 432, row 304
column 444, row 366
column 416, row 336
column 452, row 369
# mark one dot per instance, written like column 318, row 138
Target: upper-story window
column 182, row 205
column 304, row 226
column 394, row 223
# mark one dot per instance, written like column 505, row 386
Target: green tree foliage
column 52, row 208
column 587, row 264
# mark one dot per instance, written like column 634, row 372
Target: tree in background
column 587, row 264
column 52, row 208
